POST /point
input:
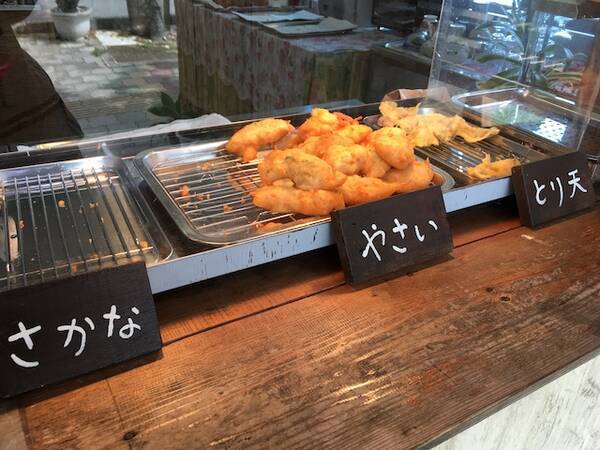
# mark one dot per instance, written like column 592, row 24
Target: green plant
column 169, row 107
column 515, row 29
column 67, row 6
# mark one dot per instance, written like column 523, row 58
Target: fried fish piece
column 247, row 141
column 392, row 113
column 393, row 146
column 323, row 122
column 358, row 190
column 356, row 160
column 356, row 132
column 282, row 199
column 488, row 169
column 418, row 175
column 305, row 170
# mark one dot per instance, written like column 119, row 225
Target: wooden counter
column 287, row 355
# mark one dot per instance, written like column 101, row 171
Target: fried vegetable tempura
column 393, row 146
column 358, row 190
column 392, row 113
column 357, row 133
column 356, row 160
column 323, row 122
column 247, row 141
column 288, row 199
column 318, row 145
column 418, row 175
column 305, row 170
column 488, row 169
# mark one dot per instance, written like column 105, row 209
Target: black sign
column 552, row 188
column 391, row 235
column 66, row 328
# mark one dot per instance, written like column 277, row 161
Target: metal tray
column 529, row 115
column 63, row 218
column 218, row 208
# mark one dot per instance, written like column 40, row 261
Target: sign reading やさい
column 65, row 328
column 552, row 188
column 384, row 237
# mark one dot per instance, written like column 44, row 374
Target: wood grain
column 12, row 436
column 393, row 366
column 209, row 304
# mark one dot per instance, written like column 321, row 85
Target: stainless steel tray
column 62, row 218
column 218, row 208
column 551, row 123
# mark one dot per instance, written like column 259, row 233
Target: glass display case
column 529, row 66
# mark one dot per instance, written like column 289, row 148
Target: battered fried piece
column 356, row 160
column 288, row 199
column 305, row 170
column 472, row 133
column 418, row 175
column 357, row 190
column 488, row 169
column 323, row 122
column 392, row 113
column 247, row 141
column 318, row 145
column 357, row 132
column 393, row 146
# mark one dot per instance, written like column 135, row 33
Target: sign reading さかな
column 384, row 237
column 552, row 188
column 65, row 328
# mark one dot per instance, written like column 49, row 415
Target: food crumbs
column 199, row 197
column 227, row 208
column 184, row 191
column 93, row 205
column 61, row 204
column 74, row 268
column 243, row 200
column 21, row 224
column 144, row 244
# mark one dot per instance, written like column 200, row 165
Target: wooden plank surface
column 393, row 366
column 212, row 303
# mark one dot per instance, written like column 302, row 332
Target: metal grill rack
column 61, row 219
column 212, row 190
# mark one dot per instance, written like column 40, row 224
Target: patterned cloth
column 232, row 67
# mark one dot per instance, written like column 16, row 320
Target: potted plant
column 71, row 21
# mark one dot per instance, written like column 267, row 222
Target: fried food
column 358, row 190
column 392, row 113
column 488, row 169
column 323, row 122
column 305, row 170
column 318, row 145
column 393, row 146
column 418, row 175
column 472, row 133
column 356, row 132
column 356, row 160
column 247, row 141
column 289, row 199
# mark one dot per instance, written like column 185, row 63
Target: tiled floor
column 104, row 96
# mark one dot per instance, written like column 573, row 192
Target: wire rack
column 59, row 223
column 214, row 195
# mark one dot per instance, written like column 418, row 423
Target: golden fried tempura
column 356, row 132
column 318, row 145
column 393, row 146
column 247, row 141
column 305, row 170
column 356, row 160
column 472, row 133
column 323, row 122
column 392, row 113
column 488, row 169
column 418, row 175
column 357, row 190
column 292, row 200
